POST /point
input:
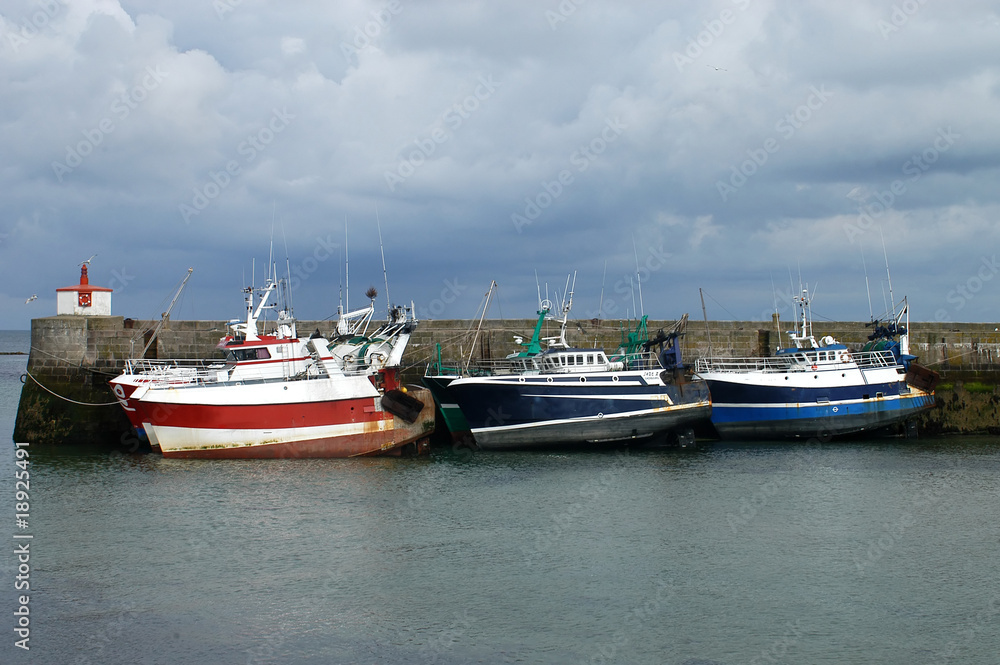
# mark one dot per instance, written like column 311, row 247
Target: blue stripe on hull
column 806, row 420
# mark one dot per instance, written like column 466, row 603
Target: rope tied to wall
column 67, row 399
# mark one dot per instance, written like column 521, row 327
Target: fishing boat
column 559, row 395
column 274, row 394
column 820, row 388
column 439, row 374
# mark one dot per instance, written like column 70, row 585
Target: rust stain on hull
column 390, row 436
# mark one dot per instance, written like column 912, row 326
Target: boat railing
column 739, row 365
column 638, row 361
column 202, row 371
column 174, row 371
column 154, row 366
column 501, row 367
column 441, row 369
column 872, row 359
column 863, row 359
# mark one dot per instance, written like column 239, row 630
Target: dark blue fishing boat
column 571, row 396
column 820, row 387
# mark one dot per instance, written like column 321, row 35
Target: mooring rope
column 73, row 363
column 73, row 401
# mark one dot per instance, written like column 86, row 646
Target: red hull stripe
column 270, row 361
column 266, row 417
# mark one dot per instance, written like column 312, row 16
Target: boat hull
column 754, row 407
column 451, row 414
column 518, row 412
column 275, row 419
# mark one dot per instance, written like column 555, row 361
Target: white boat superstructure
column 273, row 394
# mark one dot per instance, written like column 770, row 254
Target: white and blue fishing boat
column 819, row 388
column 569, row 397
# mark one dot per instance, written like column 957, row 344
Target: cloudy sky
column 736, row 146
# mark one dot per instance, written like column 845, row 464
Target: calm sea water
column 861, row 552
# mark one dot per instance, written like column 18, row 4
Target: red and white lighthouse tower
column 84, row 298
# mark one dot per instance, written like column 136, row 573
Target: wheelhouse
column 569, row 361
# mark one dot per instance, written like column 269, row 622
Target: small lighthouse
column 83, row 299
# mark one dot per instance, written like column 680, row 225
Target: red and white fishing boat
column 276, row 395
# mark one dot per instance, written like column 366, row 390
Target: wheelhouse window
column 240, row 355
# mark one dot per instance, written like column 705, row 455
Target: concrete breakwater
column 66, row 398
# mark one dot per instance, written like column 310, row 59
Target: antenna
column 538, row 287
column 600, row 307
column 888, row 276
column 270, row 249
column 774, row 296
column 288, row 268
column 638, row 279
column 791, row 289
column 704, row 312
column 340, row 300
column 568, row 290
column 347, row 270
column 871, row 314
column 631, row 287
column 385, row 276
column 566, row 307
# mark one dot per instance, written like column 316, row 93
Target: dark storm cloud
column 732, row 142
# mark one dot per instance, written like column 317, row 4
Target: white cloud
column 189, row 94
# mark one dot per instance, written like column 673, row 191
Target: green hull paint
column 453, row 418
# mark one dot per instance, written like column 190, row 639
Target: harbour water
column 869, row 551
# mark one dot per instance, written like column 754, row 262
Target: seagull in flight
column 718, row 69
column 34, row 296
column 89, row 260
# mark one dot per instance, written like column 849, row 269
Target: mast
column 704, row 312
column 888, row 276
column 475, row 338
column 871, row 314
column 904, row 337
column 566, row 307
column 288, row 275
column 600, row 306
column 347, row 270
column 538, row 288
column 270, row 247
column 631, row 287
column 638, row 279
column 156, row 330
column 774, row 297
column 385, row 276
